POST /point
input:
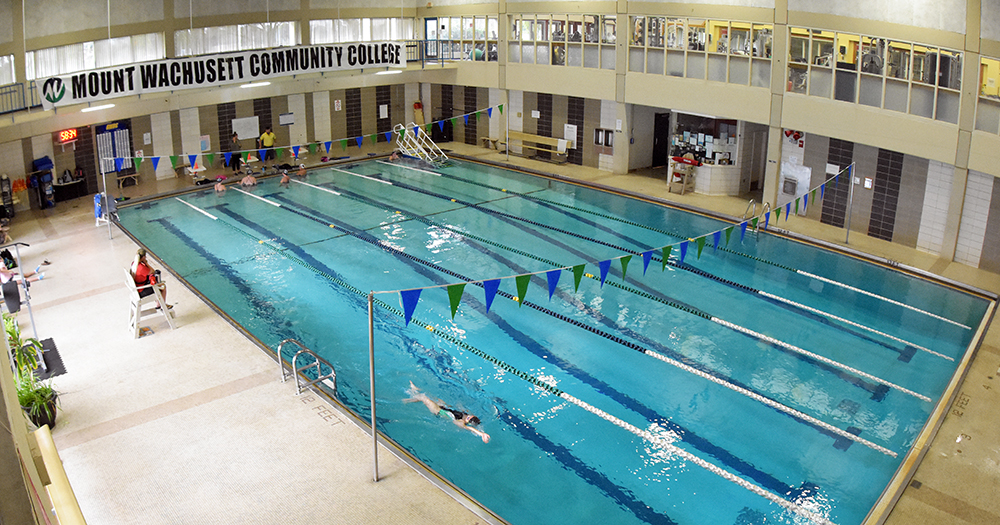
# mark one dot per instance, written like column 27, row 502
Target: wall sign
column 214, row 70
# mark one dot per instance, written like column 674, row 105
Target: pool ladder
column 296, row 371
column 751, row 211
column 418, row 144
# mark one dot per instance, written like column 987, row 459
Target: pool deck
column 192, row 425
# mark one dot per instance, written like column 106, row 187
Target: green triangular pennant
column 173, row 161
column 245, row 155
column 280, row 152
column 813, row 196
column 701, row 245
column 522, row 287
column 501, row 108
column 753, row 222
column 729, row 232
column 454, row 121
column 577, row 275
column 625, row 260
column 209, row 157
column 777, row 216
column 666, row 255
column 137, row 161
column 374, row 138
column 343, row 144
column 796, row 207
column 477, row 115
column 430, row 126
column 312, row 148
column 455, row 297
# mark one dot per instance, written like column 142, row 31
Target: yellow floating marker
column 332, row 226
column 505, row 189
column 260, row 242
column 430, row 328
column 516, row 299
column 589, row 275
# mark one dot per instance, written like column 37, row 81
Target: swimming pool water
column 773, row 405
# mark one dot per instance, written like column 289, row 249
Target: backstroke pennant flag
column 500, row 106
column 173, row 161
column 777, row 213
column 118, row 163
column 193, row 159
column 156, row 162
column 646, row 257
column 788, row 210
column 137, row 161
column 701, row 245
column 409, row 299
column 822, row 190
column 281, row 152
column 295, row 151
column 489, row 112
column 716, row 237
column 312, row 148
column 729, row 231
column 522, row 287
column 805, row 201
column 684, row 250
column 577, row 275
column 388, row 136
column 466, row 119
column 455, row 297
column 359, row 140
column 604, row 266
column 743, row 230
column 441, row 125
column 491, row 286
column 767, row 218
column 261, row 152
column 666, row 256
column 326, row 144
column 343, row 144
column 625, row 260
column 227, row 155
column 553, row 278
column 209, row 159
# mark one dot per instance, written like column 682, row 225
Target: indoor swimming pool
column 761, row 380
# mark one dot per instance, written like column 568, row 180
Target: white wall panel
column 163, row 144
column 975, row 214
column 297, row 107
column 321, row 116
column 935, row 208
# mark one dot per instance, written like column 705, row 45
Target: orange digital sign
column 67, row 135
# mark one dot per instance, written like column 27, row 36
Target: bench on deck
column 540, row 143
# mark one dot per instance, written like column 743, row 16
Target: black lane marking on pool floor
column 877, row 391
column 533, row 347
column 636, row 507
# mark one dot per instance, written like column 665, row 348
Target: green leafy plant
column 25, row 350
column 37, row 398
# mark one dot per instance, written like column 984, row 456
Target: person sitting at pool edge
column 143, row 274
column 460, row 419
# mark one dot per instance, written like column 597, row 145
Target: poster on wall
column 214, row 70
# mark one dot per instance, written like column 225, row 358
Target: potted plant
column 37, row 398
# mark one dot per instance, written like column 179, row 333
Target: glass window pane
column 718, row 36
column 797, row 78
column 898, row 60
column 761, row 69
column 468, row 27
column 456, row 28
column 846, row 87
column 591, row 57
column 675, row 63
column 608, row 57
column 480, row 28
column 675, row 33
column 896, row 95
column 637, row 37
column 609, row 33
column 848, row 51
column 655, row 28
column 575, row 29
column 871, row 90
column 654, row 61
column 515, row 29
column 590, row 28
column 492, row 29
column 739, row 38
column 947, row 106
column 695, row 65
column 989, row 77
column 739, row 71
column 922, row 101
column 321, row 32
column 872, row 55
column 541, row 30
column 527, row 29
column 559, row 54
column 798, row 47
column 924, row 64
column 988, row 115
column 762, row 36
column 950, row 69
column 822, row 52
column 558, row 30
column 717, row 68
column 574, row 56
column 820, row 82
column 636, row 59
column 696, row 35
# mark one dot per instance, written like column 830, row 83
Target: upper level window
column 93, row 55
column 242, row 37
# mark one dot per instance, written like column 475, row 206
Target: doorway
column 661, row 139
column 430, row 36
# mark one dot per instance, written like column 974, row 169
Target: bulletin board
column 246, row 128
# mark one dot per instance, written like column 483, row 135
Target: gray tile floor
column 193, row 426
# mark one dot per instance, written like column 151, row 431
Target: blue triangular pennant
column 466, row 120
column 118, row 164
column 646, row 257
column 489, row 112
column 604, row 266
column 491, row 288
column 788, row 210
column 715, row 239
column 684, row 250
column 193, row 159
column 360, row 141
column 553, row 277
column 822, row 190
column 156, row 162
column 228, row 155
column 388, row 136
column 409, row 299
column 327, row 145
column 743, row 230
column 441, row 125
column 295, row 151
column 767, row 217
column 261, row 152
column 805, row 201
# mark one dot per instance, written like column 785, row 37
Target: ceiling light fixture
column 96, row 108
column 255, row 84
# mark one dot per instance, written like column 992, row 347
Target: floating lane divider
column 411, row 168
column 886, row 299
column 648, row 436
column 315, row 187
column 695, row 311
column 272, row 203
column 362, row 176
column 209, row 215
column 728, row 250
column 852, row 323
column 656, row 355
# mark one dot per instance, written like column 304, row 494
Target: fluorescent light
column 96, row 108
column 693, row 114
column 390, row 72
column 255, row 84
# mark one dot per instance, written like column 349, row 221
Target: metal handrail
column 296, row 371
column 752, row 204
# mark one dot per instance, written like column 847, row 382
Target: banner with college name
column 214, row 70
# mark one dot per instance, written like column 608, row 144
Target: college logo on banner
column 53, row 90
column 215, row 70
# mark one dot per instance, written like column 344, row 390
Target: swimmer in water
column 460, row 419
